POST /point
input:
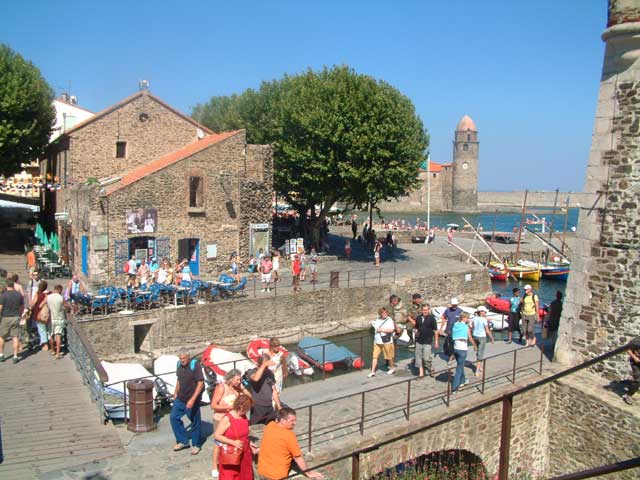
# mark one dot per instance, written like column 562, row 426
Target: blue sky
column 526, row 72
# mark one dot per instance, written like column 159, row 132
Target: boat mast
column 428, row 192
column 566, row 223
column 524, row 207
column 493, row 235
column 553, row 219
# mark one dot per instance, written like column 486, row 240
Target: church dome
column 466, row 124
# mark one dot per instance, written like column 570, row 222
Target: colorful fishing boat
column 551, row 270
column 525, row 273
column 498, row 274
column 327, row 355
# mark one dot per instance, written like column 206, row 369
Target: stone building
column 454, row 186
column 141, row 178
column 602, row 305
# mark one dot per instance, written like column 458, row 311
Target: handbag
column 230, row 454
column 43, row 312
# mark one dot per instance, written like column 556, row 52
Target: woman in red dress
column 233, row 430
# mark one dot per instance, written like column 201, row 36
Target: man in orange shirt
column 31, row 260
column 279, row 447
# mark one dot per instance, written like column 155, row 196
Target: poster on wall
column 142, row 220
column 141, row 254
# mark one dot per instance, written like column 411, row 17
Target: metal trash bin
column 141, row 406
column 334, row 280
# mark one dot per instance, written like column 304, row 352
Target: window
column 465, row 147
column 195, row 192
column 469, row 138
column 121, row 149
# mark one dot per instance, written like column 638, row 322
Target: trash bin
column 334, row 280
column 140, row 406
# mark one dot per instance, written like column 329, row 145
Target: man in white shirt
column 55, row 302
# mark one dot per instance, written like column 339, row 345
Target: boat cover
column 312, row 348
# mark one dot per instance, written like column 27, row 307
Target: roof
column 74, row 105
column 128, row 100
column 466, row 124
column 437, row 167
column 142, row 171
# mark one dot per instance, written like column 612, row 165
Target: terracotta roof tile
column 169, row 159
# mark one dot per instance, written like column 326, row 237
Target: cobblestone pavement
column 149, row 455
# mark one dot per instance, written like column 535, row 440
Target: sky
column 526, row 72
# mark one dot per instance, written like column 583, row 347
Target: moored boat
column 327, row 355
column 295, row 364
column 503, row 305
column 525, row 273
column 221, row 361
column 551, row 270
column 498, row 274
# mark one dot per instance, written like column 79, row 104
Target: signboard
column 101, row 242
column 141, row 254
column 212, row 250
column 142, row 220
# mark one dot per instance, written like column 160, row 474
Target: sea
column 503, row 221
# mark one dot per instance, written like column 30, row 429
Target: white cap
column 527, row 287
column 481, row 308
column 454, row 301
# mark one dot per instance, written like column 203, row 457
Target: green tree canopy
column 337, row 136
column 27, row 114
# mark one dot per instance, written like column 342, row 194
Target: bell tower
column 465, row 166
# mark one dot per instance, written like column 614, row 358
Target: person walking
column 275, row 263
column 233, row 429
column 481, row 332
column 634, row 361
column 425, row 327
column 279, row 449
column 530, row 312
column 277, row 356
column 266, row 265
column 186, row 402
column 461, row 335
column 553, row 319
column 41, row 314
column 347, row 250
column 31, row 260
column 11, row 307
column 448, row 318
column 376, row 252
column 295, row 273
column 56, row 304
column 354, row 227
column 514, row 315
column 75, row 291
column 383, row 341
column 313, row 264
column 222, row 401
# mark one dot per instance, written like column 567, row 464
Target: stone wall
column 92, row 149
column 602, row 305
column 440, row 200
column 232, row 323
column 587, row 431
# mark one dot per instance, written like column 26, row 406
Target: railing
column 87, row 362
column 505, row 434
column 348, row 279
column 411, row 401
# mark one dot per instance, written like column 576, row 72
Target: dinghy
column 327, row 355
column 296, row 365
column 221, row 361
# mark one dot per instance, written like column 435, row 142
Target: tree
column 337, row 136
column 27, row 114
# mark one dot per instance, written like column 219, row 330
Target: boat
column 551, row 270
column 327, row 355
column 165, row 367
column 500, row 274
column 525, row 273
column 119, row 374
column 295, row 364
column 503, row 305
column 221, row 361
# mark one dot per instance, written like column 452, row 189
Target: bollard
column 334, row 280
column 140, row 406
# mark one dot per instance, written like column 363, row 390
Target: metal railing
column 411, row 401
column 505, row 434
column 87, row 362
column 343, row 279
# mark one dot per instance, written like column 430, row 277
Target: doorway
column 189, row 248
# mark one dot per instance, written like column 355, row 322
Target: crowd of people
column 238, row 402
column 33, row 318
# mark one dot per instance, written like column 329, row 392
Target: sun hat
column 527, row 287
column 454, row 301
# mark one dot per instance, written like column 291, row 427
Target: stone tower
column 602, row 304
column 465, row 166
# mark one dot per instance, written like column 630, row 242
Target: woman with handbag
column 40, row 313
column 235, row 461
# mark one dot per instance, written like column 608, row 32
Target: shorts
column 313, row 267
column 528, row 322
column 9, row 327
column 57, row 328
column 514, row 321
column 376, row 255
column 266, row 277
column 387, row 350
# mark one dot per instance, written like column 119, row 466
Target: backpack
column 192, row 364
column 126, row 267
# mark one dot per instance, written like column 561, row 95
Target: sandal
column 180, row 446
column 195, row 450
column 59, row 356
